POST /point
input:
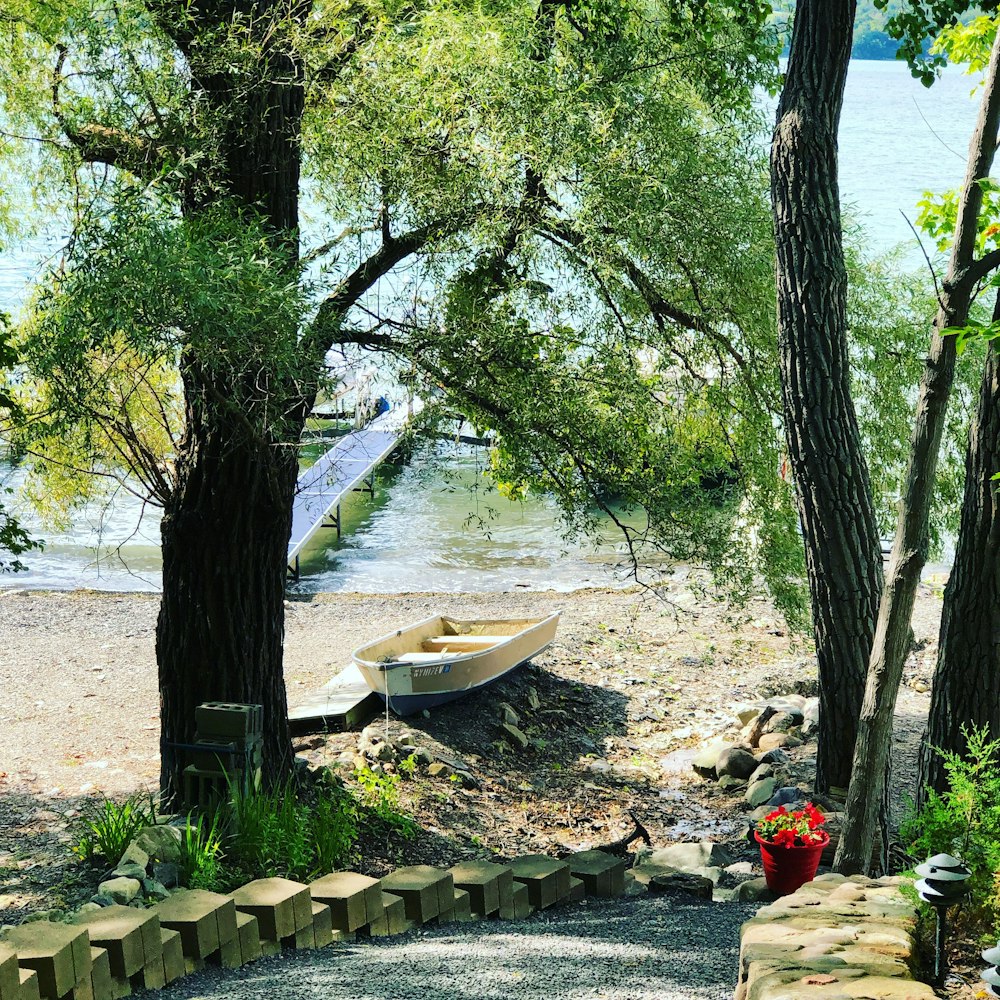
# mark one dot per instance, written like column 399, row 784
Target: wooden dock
column 344, row 703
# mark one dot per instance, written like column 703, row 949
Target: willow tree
column 507, row 198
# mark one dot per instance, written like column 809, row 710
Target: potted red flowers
column 790, row 846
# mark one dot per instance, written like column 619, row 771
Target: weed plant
column 965, row 821
column 108, row 827
column 202, row 855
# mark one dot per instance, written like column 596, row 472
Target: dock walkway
column 351, row 461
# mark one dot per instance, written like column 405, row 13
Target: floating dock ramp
column 345, row 467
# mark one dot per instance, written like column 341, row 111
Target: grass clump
column 108, row 827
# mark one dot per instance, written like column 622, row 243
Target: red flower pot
column 788, row 868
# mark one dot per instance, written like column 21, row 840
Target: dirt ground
column 631, row 687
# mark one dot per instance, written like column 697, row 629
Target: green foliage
column 202, row 854
column 108, row 827
column 965, row 821
column 380, row 794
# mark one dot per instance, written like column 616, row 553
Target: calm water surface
column 433, row 524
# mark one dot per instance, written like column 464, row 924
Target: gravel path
column 661, row 947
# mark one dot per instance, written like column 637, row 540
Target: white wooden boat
column 440, row 659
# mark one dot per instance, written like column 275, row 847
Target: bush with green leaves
column 108, row 827
column 965, row 821
column 202, row 855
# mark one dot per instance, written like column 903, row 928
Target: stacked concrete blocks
column 490, row 886
column 427, row 892
column 134, row 945
column 60, row 956
column 207, row 925
column 602, row 874
column 10, row 977
column 547, row 880
column 227, row 750
column 173, row 955
column 283, row 909
column 393, row 919
column 355, row 901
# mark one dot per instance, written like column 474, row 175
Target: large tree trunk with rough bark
column 966, row 689
column 843, row 555
column 225, row 529
column 912, row 541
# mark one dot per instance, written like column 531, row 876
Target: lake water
column 433, row 524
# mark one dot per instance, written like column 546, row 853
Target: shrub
column 965, row 821
column 202, row 855
column 380, row 793
column 108, row 827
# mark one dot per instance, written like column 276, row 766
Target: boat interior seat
column 418, row 657
column 473, row 641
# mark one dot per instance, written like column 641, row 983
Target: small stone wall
column 837, row 938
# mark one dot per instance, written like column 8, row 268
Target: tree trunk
column 909, row 550
column 966, row 687
column 843, row 555
column 225, row 529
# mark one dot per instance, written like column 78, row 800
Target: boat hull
column 432, row 680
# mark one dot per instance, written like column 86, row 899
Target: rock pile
column 753, row 761
column 404, row 754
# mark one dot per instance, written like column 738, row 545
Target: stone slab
column 100, row 974
column 546, row 878
column 280, row 905
column 119, row 930
column 603, row 874
column 204, row 919
column 322, row 924
column 423, row 889
column 59, row 953
column 173, row 955
column 249, row 937
column 354, row 899
column 27, row 985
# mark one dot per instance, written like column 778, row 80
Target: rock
column 729, row 784
column 89, row 908
column 810, row 717
column 682, row 882
column 599, row 766
column 154, row 889
column 134, row 855
column 745, row 714
column 759, row 813
column 167, row 873
column 360, row 763
column 789, row 704
column 704, row 763
column 740, row 868
column 121, row 890
column 689, row 857
column 54, row 916
column 771, row 741
column 775, row 756
column 102, row 899
column 516, row 736
column 787, row 796
column 425, row 714
column 161, row 843
column 754, row 890
column 780, row 723
column 407, row 739
column 384, row 752
column 762, row 771
column 466, row 779
column 739, row 763
column 760, row 792
column 508, row 715
column 534, row 702
column 711, row 872
column 440, row 770
column 130, row 871
column 794, row 741
column 633, row 887
column 423, row 756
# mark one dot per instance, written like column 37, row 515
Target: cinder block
column 230, row 955
column 577, row 891
column 59, row 953
column 520, row 904
column 249, row 935
column 216, row 719
column 173, row 955
column 547, row 879
column 482, row 880
column 423, row 889
column 204, row 919
column 282, row 907
column 354, row 900
column 603, row 874
column 10, row 977
column 120, row 931
column 215, row 755
column 27, row 985
column 100, row 974
column 322, row 924
column 463, row 906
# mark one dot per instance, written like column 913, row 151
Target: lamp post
column 942, row 884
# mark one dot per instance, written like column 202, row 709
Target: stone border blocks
column 602, row 874
column 354, row 900
column 548, row 880
column 427, row 892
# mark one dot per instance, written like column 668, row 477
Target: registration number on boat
column 438, row 668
